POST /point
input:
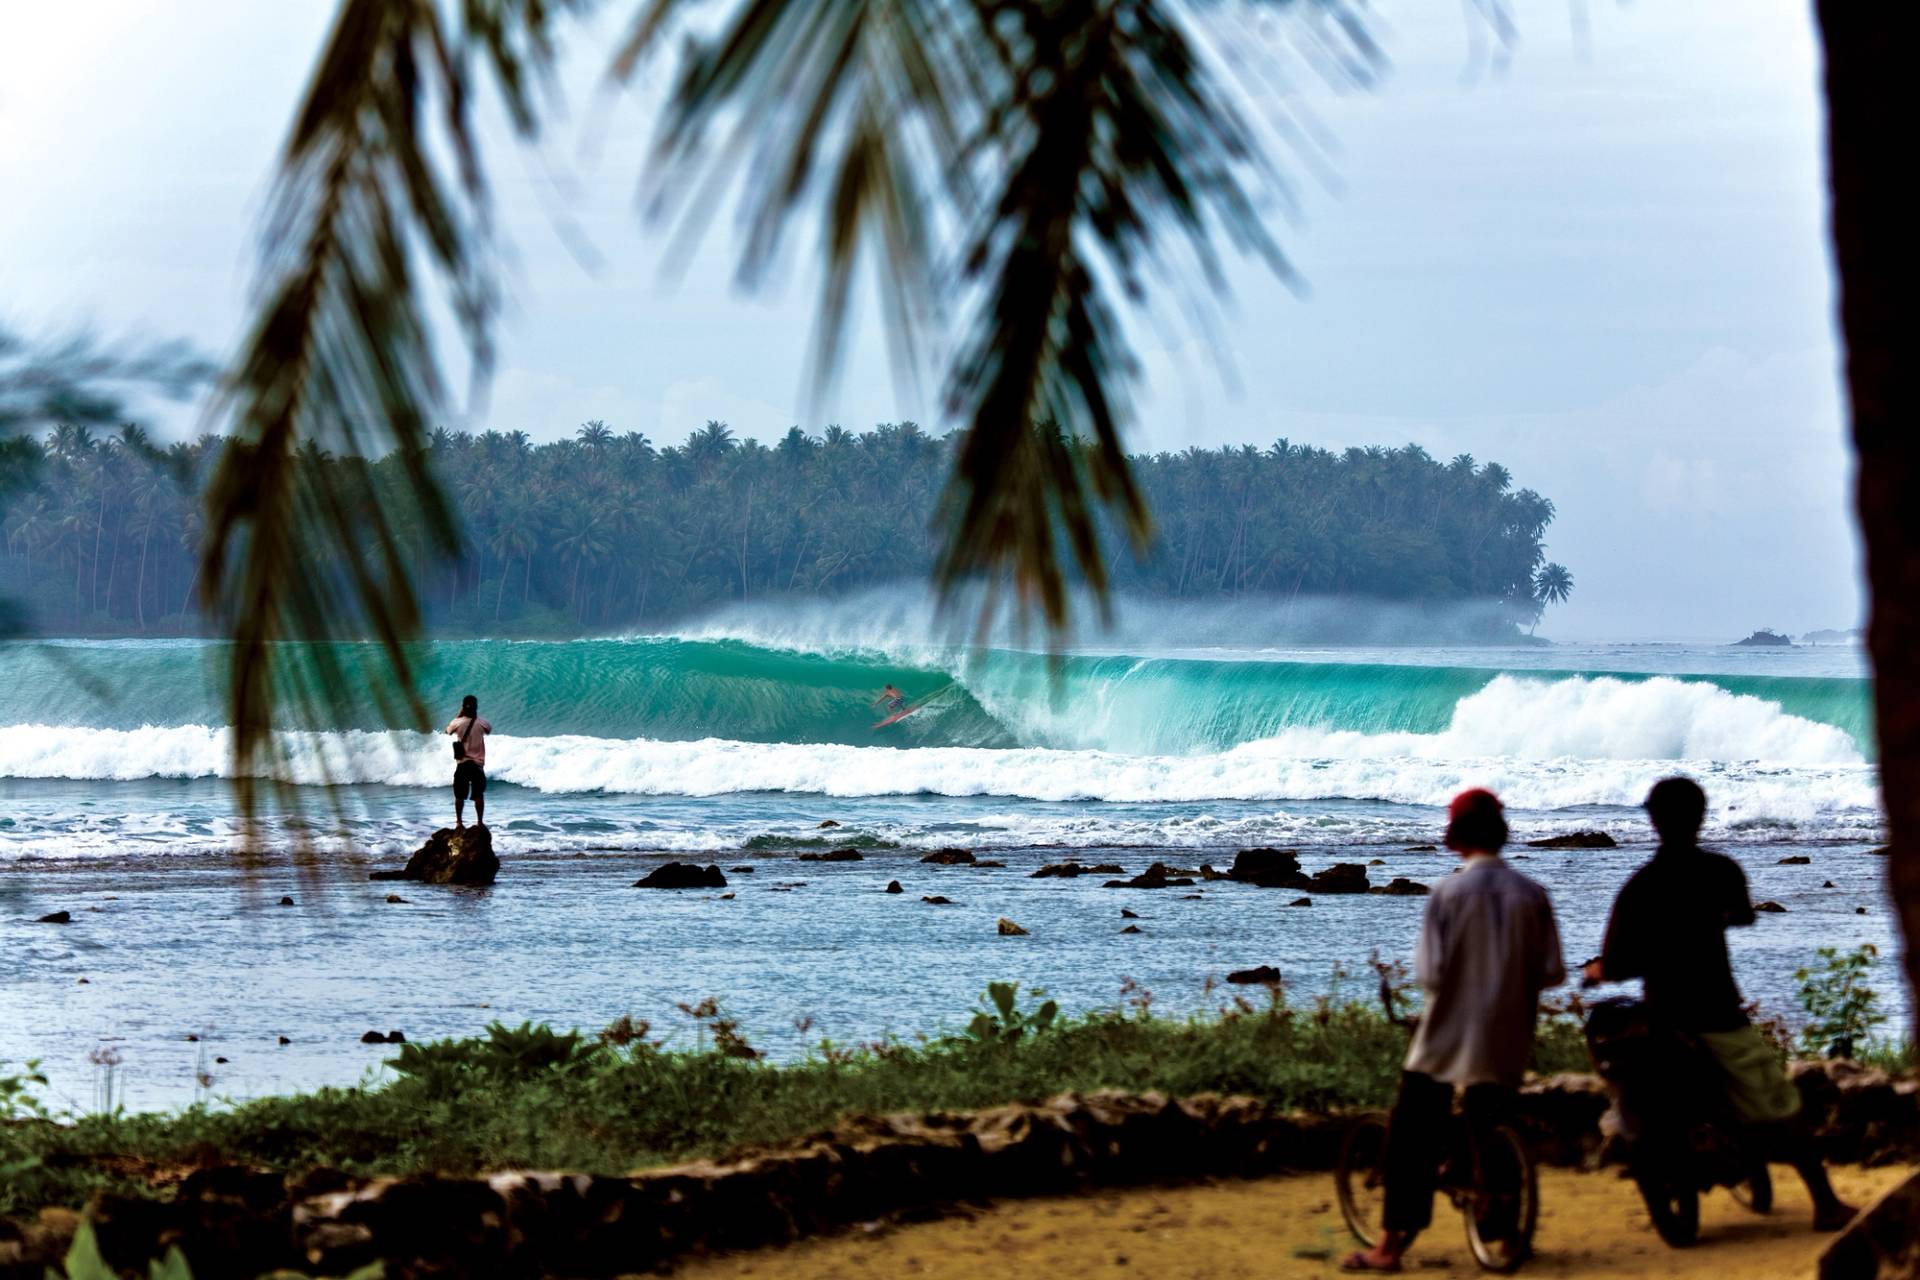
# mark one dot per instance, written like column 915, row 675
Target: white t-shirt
column 476, row 743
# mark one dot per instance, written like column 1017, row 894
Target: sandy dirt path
column 1591, row 1225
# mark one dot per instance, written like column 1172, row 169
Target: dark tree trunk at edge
column 1866, row 63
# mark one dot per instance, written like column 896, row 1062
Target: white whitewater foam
column 1542, row 744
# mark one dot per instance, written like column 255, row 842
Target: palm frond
column 1037, row 161
column 341, row 360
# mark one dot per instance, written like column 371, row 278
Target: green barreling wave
column 681, row 689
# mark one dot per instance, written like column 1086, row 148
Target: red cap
column 1475, row 800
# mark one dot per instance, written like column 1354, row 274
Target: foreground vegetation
column 529, row 1097
column 103, row 535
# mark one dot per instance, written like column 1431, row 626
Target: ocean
column 734, row 740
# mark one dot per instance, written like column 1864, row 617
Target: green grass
column 531, row 1098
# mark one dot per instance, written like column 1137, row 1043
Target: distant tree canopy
column 605, row 530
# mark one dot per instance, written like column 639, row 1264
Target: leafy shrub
column 1839, row 1003
column 1003, row 1022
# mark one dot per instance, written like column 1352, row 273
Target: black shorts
column 469, row 779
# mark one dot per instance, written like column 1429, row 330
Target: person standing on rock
column 1669, row 929
column 1488, row 947
column 469, row 733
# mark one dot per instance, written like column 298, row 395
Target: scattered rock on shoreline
column 1133, row 928
column 833, row 855
column 950, row 858
column 827, row 825
column 451, row 855
column 682, row 875
column 1129, row 915
column 1069, row 869
column 1794, row 860
column 56, row 917
column 394, row 897
column 1301, row 902
column 745, row 871
column 893, row 886
column 1341, row 877
column 1157, row 876
column 286, row 901
column 936, row 900
column 1769, row 906
column 1423, row 848
column 1008, row 929
column 1401, row 887
column 1268, row 868
column 1261, row 976
column 1576, row 840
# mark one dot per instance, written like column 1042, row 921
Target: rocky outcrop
column 1069, row 869
column 1341, row 877
column 1794, row 860
column 1576, row 840
column 1261, row 976
column 682, row 875
column 1008, row 929
column 1401, row 887
column 1769, row 907
column 893, row 886
column 451, row 855
column 1268, row 869
column 950, row 858
column 56, row 917
column 1157, row 876
column 833, row 855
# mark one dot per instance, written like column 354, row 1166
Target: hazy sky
column 1605, row 267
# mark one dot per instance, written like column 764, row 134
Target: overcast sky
column 1605, row 268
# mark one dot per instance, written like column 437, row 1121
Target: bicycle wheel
column 1756, row 1193
column 1360, row 1180
column 1674, row 1208
column 1505, row 1209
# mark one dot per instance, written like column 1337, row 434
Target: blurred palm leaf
column 1032, row 166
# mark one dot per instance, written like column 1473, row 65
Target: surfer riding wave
column 896, row 701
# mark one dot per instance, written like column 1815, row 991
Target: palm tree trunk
column 140, row 584
column 1865, row 73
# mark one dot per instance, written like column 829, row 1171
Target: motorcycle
column 1681, row 1135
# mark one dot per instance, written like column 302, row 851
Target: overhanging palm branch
column 340, row 358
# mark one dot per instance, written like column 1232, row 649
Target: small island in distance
column 1765, row 638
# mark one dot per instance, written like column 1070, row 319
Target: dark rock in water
column 1129, row 915
column 56, row 917
column 1859, row 911
column 1765, row 638
column 192, row 1038
column 893, row 886
column 1794, row 860
column 373, row 1037
column 1191, row 897
column 682, row 875
column 1263, row 976
column 1301, row 902
column 1157, row 876
column 396, row 1037
column 745, row 871
column 1826, row 884
column 833, row 855
column 285, row 1040
column 286, row 901
column 1401, row 887
column 936, row 900
column 827, row 825
column 394, row 897
column 1008, row 929
column 1341, row 877
column 1576, row 840
column 986, row 864
column 950, row 858
column 1423, row 848
column 1768, row 906
column 1884, row 851
column 726, row 897
column 1133, row 928
column 451, row 855
column 1376, row 862
column 1207, row 872
column 1069, row 869
column 1268, row 868
column 220, row 1061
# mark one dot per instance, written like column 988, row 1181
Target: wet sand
column 1591, row 1225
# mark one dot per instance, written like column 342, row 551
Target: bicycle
column 1487, row 1174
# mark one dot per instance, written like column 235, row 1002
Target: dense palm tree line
column 606, row 530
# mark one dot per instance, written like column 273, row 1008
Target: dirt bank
column 1591, row 1225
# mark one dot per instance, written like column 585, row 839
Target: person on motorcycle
column 1668, row 929
column 1488, row 947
